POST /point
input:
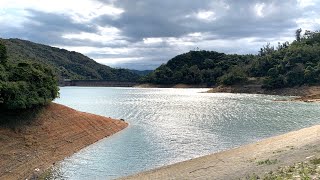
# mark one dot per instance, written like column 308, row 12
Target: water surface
column 173, row 125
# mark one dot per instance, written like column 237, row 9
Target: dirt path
column 55, row 133
column 259, row 158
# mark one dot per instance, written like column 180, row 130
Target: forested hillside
column 25, row 84
column 141, row 72
column 286, row 65
column 69, row 65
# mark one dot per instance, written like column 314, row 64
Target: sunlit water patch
column 173, row 125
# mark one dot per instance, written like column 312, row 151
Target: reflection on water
column 172, row 125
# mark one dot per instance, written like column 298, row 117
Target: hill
column 68, row 64
column 286, row 65
column 196, row 67
column 141, row 72
column 33, row 140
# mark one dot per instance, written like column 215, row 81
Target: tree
column 3, row 54
column 311, row 75
column 298, row 34
column 274, row 82
column 163, row 75
column 26, row 85
column 295, row 77
column 236, row 75
column 287, row 65
column 195, row 75
column 266, row 50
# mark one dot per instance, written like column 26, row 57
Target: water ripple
column 172, row 125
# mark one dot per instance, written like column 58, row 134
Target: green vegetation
column 287, row 65
column 51, row 173
column 68, row 65
column 196, row 67
column 141, row 73
column 267, row 162
column 303, row 170
column 25, row 84
column 315, row 161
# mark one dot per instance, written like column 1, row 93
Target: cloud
column 82, row 11
column 227, row 19
column 47, row 28
column 142, row 34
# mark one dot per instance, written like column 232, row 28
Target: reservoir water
column 173, row 125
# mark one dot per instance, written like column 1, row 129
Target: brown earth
column 29, row 147
column 305, row 93
column 312, row 95
column 242, row 162
column 256, row 89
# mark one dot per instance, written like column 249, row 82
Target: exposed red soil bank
column 54, row 133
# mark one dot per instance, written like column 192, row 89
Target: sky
column 143, row 34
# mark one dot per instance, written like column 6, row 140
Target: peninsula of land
column 34, row 141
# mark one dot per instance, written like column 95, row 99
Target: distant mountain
column 68, row 64
column 141, row 73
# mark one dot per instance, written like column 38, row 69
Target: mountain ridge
column 68, row 64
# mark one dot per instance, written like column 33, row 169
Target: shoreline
column 256, row 89
column 58, row 132
column 305, row 93
column 148, row 85
column 256, row 158
column 54, row 133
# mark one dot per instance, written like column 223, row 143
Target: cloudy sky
column 142, row 34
